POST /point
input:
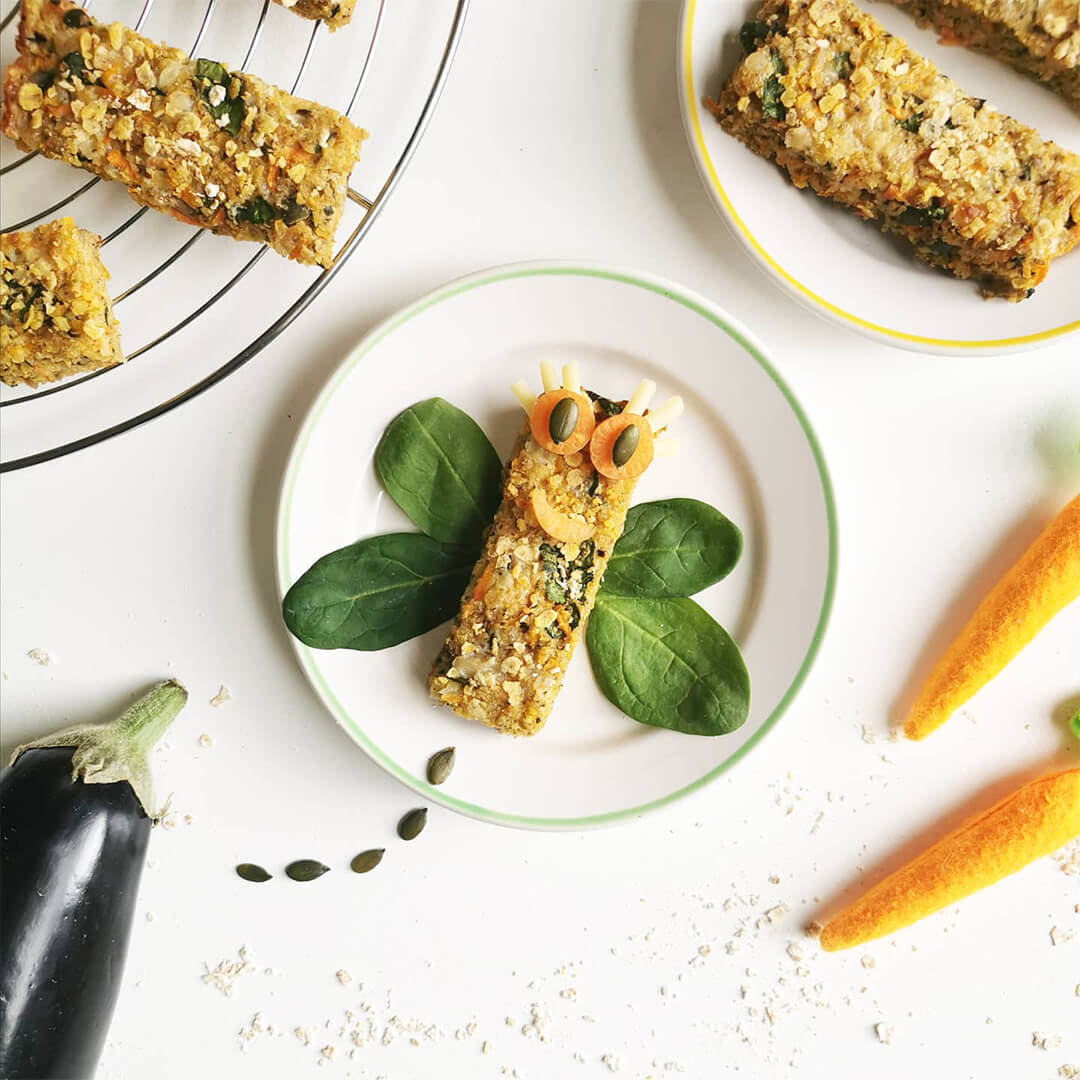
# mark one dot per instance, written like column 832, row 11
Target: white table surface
column 559, row 136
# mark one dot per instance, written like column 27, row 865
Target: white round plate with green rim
column 745, row 446
column 827, row 258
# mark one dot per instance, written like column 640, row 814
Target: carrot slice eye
column 562, row 421
column 622, row 446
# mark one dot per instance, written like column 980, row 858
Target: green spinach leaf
column 676, row 547
column 439, row 467
column 668, row 663
column 378, row 592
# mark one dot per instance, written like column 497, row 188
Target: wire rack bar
column 371, row 207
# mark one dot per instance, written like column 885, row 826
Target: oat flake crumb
column 1045, row 1042
column 885, row 1033
column 1068, row 858
column 225, row 974
column 344, row 977
column 221, row 696
column 1069, row 1072
column 41, row 657
column 868, row 962
column 206, row 741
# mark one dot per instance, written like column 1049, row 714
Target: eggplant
column 75, row 818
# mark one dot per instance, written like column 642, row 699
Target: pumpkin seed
column 412, row 824
column 306, row 869
column 440, row 765
column 625, row 445
column 563, row 420
column 367, row 860
column 251, row 872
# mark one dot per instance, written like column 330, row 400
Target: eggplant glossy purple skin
column 72, row 855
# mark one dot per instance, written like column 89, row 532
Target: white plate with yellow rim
column 845, row 268
column 745, row 447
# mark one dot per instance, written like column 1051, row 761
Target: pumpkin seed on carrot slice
column 367, row 860
column 412, row 824
column 441, row 765
column 253, row 872
column 306, row 869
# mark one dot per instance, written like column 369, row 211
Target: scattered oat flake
column 223, row 695
column 255, row 1027
column 487, row 1047
column 1045, row 1042
column 612, row 1061
column 868, row 962
column 1069, row 1072
column 885, row 1033
column 206, row 741
column 226, row 973
column 795, row 951
column 41, row 657
column 344, row 977
column 1058, row 936
column 1068, row 858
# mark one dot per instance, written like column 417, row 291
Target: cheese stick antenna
column 667, row 412
column 570, row 378
column 549, row 375
column 522, row 392
column 639, row 400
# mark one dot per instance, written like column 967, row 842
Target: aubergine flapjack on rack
column 56, row 318
column 850, row 111
column 212, row 147
column 566, row 492
column 335, row 13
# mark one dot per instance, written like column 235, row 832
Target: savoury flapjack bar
column 212, row 147
column 565, row 496
column 850, row 111
column 56, row 318
column 1040, row 39
column 335, row 13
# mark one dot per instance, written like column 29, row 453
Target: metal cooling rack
column 368, row 206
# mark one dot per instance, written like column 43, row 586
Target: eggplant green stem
column 115, row 752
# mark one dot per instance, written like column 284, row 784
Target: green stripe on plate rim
column 693, row 303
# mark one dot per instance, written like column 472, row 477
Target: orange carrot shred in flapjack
column 1036, row 820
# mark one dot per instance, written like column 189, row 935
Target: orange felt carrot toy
column 1034, row 821
column 1032, row 592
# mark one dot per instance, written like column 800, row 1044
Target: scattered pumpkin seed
column 412, row 824
column 367, row 860
column 440, row 765
column 250, row 871
column 306, row 869
column 625, row 445
column 563, row 420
